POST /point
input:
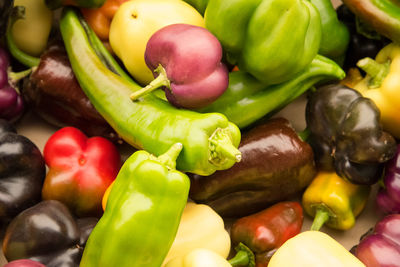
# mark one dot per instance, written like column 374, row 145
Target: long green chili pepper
column 210, row 141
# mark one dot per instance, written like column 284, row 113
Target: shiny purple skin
column 388, row 198
column 191, row 56
column 11, row 103
column 24, row 263
column 382, row 246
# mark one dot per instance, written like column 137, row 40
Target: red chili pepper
column 80, row 170
column 264, row 232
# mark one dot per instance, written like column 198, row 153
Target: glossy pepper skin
column 210, row 141
column 267, row 230
column 80, row 170
column 388, row 197
column 381, row 245
column 346, row 134
column 47, row 233
column 142, row 215
column 381, row 15
column 313, row 249
column 257, row 39
column 54, row 4
column 275, row 165
column 381, row 84
column 334, row 201
column 22, row 172
column 247, row 100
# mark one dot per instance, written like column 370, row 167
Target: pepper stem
column 321, row 217
column 221, row 147
column 243, row 257
column 161, row 80
column 377, row 71
column 169, row 158
column 305, row 134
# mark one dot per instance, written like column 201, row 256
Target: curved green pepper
column 246, row 100
column 142, row 214
column 271, row 39
column 210, row 141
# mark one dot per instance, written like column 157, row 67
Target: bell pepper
column 100, row 18
column 388, row 197
column 334, row 201
column 47, row 233
column 24, row 263
column 210, row 233
column 276, row 164
column 54, row 4
column 143, row 212
column 264, row 232
column 381, row 84
column 22, row 171
column 200, row 5
column 247, row 100
column 335, row 35
column 258, row 40
column 346, row 134
column 381, row 245
column 80, row 170
column 210, row 141
column 381, row 15
column 313, row 249
column 136, row 21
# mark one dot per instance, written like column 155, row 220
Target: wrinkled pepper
column 276, row 164
column 333, row 201
column 210, row 141
column 258, row 40
column 210, row 233
column 381, row 245
column 264, row 232
column 313, row 249
column 382, row 85
column 142, row 215
column 346, row 134
column 246, row 100
column 48, row 233
column 136, row 21
column 54, row 4
column 381, row 15
column 100, row 18
column 80, row 170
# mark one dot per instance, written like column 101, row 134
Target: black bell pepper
column 346, row 134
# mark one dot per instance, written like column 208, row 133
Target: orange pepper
column 100, row 18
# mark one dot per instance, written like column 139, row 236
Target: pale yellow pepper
column 136, row 21
column 199, row 257
column 31, row 33
column 313, row 249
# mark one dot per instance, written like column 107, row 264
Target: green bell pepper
column 335, row 35
column 271, row 39
column 210, row 141
column 246, row 100
column 142, row 215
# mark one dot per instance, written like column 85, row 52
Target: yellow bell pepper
column 31, row 33
column 200, row 227
column 382, row 85
column 313, row 249
column 199, row 257
column 334, row 201
column 136, row 21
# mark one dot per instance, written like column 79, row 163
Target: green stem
column 161, row 80
column 321, row 217
column 169, row 158
column 221, row 147
column 243, row 257
column 305, row 134
column 28, row 60
column 377, row 71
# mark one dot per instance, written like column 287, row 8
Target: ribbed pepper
column 142, row 214
column 271, row 39
column 334, row 201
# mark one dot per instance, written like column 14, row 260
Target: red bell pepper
column 80, row 170
column 264, row 232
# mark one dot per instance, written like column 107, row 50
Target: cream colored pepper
column 200, row 257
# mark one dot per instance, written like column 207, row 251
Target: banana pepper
column 313, row 249
column 142, row 214
column 334, row 201
column 382, row 85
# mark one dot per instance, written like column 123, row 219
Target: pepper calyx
column 244, row 256
column 168, row 159
column 377, row 71
column 221, row 147
column 322, row 215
